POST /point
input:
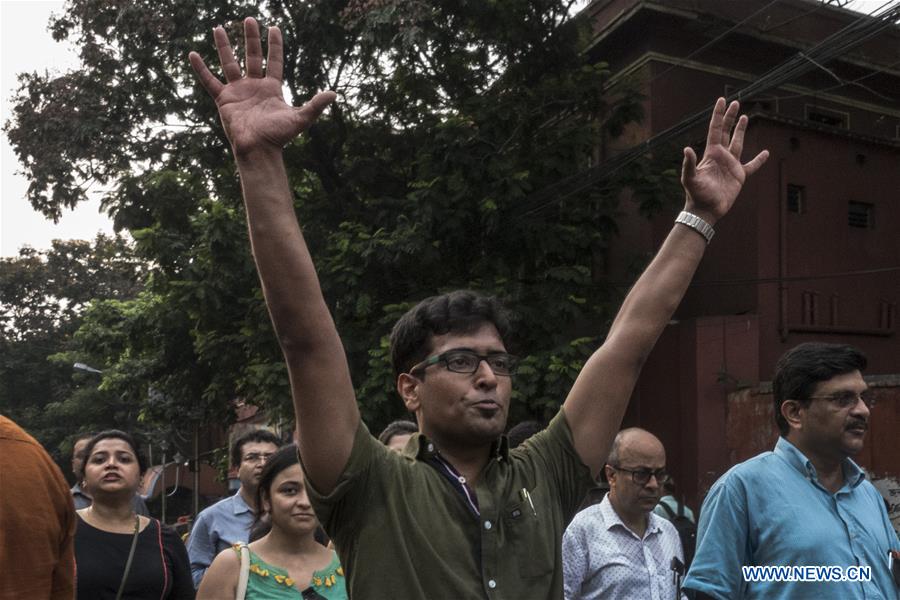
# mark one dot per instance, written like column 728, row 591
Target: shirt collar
column 853, row 475
column 420, row 447
column 611, row 518
column 238, row 505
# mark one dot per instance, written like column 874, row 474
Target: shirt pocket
column 529, row 538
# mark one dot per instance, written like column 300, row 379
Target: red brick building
column 812, row 249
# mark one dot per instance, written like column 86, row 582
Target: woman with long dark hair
column 287, row 562
column 120, row 554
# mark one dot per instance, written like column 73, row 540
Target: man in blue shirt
column 228, row 521
column 806, row 504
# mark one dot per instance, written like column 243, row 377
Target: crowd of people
column 449, row 508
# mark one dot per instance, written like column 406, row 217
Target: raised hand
column 252, row 107
column 713, row 185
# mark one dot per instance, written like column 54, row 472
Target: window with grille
column 860, row 214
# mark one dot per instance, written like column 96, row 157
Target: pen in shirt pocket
column 526, row 497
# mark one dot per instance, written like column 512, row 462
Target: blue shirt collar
column 239, row 506
column 853, row 475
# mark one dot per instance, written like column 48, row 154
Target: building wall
column 773, row 277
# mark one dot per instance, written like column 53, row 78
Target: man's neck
column 829, row 467
column 637, row 523
column 249, row 496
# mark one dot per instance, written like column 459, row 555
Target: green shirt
column 268, row 582
column 403, row 531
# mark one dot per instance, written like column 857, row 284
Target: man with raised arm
column 458, row 514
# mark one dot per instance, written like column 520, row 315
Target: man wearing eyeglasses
column 458, row 515
column 806, row 503
column 620, row 548
column 228, row 521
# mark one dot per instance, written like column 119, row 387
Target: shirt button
column 492, row 584
column 487, row 525
column 431, row 447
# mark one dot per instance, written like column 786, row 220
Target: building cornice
column 647, row 57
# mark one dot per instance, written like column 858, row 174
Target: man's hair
column 118, row 435
column 87, row 435
column 522, row 431
column 461, row 311
column 254, row 435
column 802, row 367
column 400, row 427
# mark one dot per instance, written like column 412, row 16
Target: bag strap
column 244, row 575
column 668, row 510
column 134, row 538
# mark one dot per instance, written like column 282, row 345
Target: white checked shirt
column 602, row 558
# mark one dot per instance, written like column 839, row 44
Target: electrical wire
column 835, row 45
column 716, row 39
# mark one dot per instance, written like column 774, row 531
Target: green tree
column 44, row 295
column 451, row 117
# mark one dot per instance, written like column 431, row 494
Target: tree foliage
column 451, row 115
column 44, row 295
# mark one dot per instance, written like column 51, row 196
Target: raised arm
column 596, row 404
column 258, row 124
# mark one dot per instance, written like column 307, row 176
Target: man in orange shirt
column 37, row 521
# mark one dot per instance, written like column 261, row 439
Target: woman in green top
column 287, row 563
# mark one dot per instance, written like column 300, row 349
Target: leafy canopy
column 450, row 116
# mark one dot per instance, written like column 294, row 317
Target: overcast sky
column 25, row 46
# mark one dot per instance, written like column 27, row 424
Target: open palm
column 713, row 185
column 252, row 107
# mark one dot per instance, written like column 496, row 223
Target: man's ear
column 610, row 474
column 408, row 388
column 791, row 411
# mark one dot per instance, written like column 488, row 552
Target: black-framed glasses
column 467, row 361
column 846, row 399
column 642, row 476
column 255, row 457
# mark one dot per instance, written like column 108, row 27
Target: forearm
column 324, row 399
column 652, row 300
column 290, row 284
column 598, row 399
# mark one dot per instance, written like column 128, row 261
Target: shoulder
column 866, row 488
column 222, row 575
column 11, row 432
column 214, row 510
column 749, row 471
column 588, row 519
column 226, row 564
column 22, row 454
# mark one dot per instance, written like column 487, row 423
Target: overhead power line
column 838, row 44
